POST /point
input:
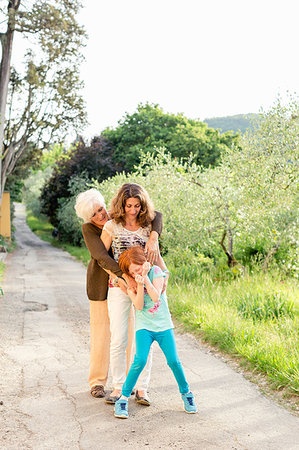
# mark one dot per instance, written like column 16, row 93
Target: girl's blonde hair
column 134, row 255
column 132, row 190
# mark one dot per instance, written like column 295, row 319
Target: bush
column 33, row 186
column 69, row 225
column 94, row 161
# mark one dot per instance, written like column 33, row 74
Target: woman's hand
column 130, row 282
column 146, row 268
column 139, row 279
column 152, row 248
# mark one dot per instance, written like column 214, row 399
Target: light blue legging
column 166, row 341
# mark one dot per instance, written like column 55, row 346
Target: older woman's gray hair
column 86, row 202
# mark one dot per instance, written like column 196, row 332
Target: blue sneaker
column 189, row 403
column 121, row 409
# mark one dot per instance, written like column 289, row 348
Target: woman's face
column 132, row 208
column 135, row 269
column 100, row 216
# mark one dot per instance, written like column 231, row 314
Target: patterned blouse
column 122, row 239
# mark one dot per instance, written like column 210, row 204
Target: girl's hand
column 146, row 269
column 139, row 279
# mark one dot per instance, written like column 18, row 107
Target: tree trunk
column 231, row 260
column 269, row 256
column 6, row 44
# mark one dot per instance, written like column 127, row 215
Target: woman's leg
column 119, row 306
column 131, row 339
column 99, row 343
column 166, row 340
column 143, row 341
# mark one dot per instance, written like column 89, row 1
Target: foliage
column 28, row 161
column 243, row 210
column 88, row 161
column 264, row 307
column 68, row 224
column 44, row 96
column 32, row 189
column 238, row 123
column 150, row 127
column 51, row 155
column 269, row 344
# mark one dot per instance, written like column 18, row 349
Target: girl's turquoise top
column 154, row 316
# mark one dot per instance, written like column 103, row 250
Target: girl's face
column 132, row 208
column 135, row 269
column 100, row 216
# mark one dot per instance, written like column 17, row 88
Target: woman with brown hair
column 131, row 212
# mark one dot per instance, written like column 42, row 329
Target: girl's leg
column 99, row 343
column 144, row 341
column 166, row 340
column 119, row 306
column 144, row 379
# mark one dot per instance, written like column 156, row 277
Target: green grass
column 255, row 317
column 2, row 268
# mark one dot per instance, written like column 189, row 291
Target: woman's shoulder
column 111, row 226
column 89, row 227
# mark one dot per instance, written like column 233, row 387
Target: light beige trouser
column 100, row 343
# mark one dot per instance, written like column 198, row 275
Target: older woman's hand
column 152, row 248
column 131, row 283
column 123, row 285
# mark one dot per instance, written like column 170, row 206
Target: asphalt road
column 45, row 401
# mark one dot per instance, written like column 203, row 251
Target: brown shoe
column 98, row 391
column 142, row 400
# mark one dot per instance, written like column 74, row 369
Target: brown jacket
column 97, row 278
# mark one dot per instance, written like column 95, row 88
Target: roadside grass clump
column 2, row 268
column 269, row 306
column 40, row 226
column 254, row 317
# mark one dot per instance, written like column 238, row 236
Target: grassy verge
column 2, row 268
column 42, row 228
column 254, row 318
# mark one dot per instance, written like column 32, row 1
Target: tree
column 44, row 100
column 88, row 161
column 150, row 127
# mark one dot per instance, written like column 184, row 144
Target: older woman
column 132, row 214
column 90, row 206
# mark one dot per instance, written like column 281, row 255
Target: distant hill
column 238, row 123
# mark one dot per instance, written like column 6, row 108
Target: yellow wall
column 5, row 228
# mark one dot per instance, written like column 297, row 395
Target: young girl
column 153, row 323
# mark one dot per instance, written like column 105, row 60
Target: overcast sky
column 204, row 58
